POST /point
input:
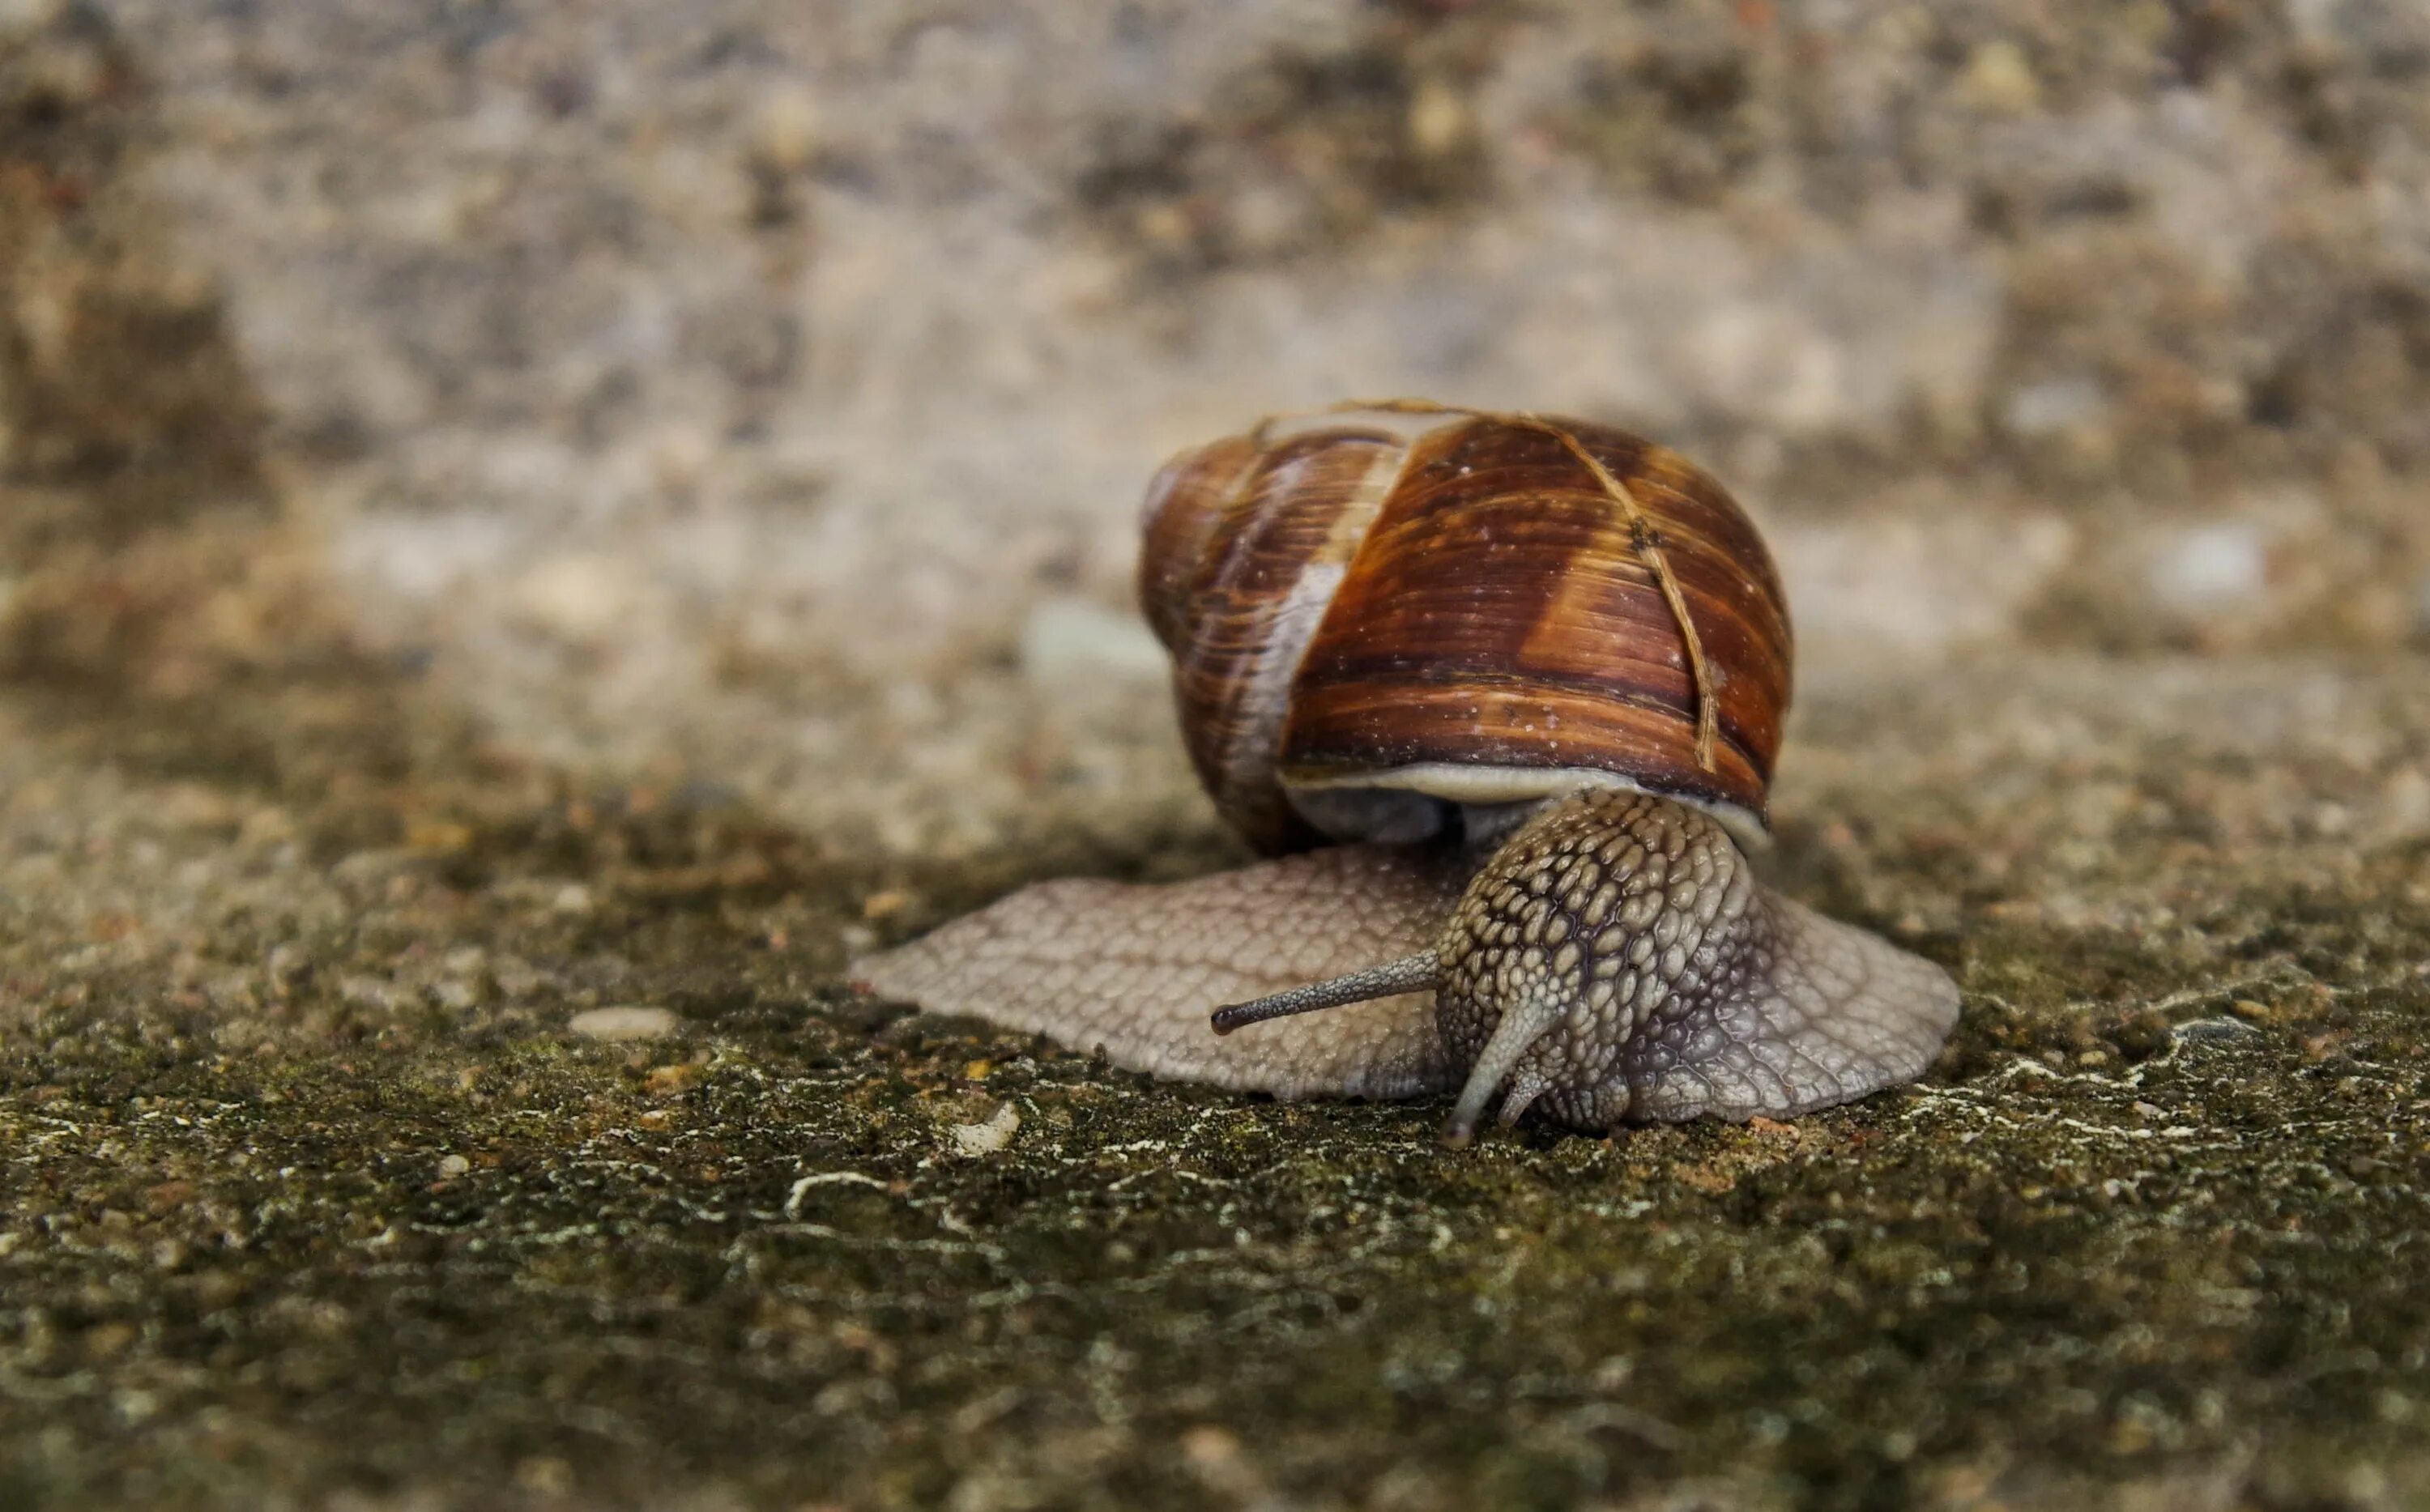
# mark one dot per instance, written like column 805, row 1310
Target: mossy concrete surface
column 313, row 1196
column 531, row 534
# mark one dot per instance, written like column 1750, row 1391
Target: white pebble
column 453, row 1166
column 1068, row 640
column 623, row 1023
column 986, row 1139
column 2054, row 405
column 2211, row 568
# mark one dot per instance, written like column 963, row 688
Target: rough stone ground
column 311, row 1193
column 436, row 607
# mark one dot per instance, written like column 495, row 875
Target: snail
column 1499, row 697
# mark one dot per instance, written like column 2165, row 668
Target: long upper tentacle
column 1136, row 970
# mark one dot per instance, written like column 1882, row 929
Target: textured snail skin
column 1648, row 976
column 1617, row 960
column 1133, row 970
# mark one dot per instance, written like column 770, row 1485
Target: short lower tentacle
column 1529, row 1084
column 1520, row 1028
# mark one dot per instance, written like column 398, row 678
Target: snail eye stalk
column 1410, row 974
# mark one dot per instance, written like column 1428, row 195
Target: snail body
column 1523, row 680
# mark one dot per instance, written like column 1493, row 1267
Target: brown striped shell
column 1382, row 612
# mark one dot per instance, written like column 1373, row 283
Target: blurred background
column 765, row 390
column 531, row 532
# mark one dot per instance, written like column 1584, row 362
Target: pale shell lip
column 1488, row 786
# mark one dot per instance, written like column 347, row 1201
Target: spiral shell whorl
column 1463, row 609
column 1244, row 547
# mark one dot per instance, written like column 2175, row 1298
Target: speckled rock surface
column 527, row 536
column 312, row 1188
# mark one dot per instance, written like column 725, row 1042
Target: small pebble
column 578, row 597
column 2210, row 569
column 1439, row 121
column 986, row 1139
column 786, row 136
column 453, row 1166
column 1068, row 640
column 1999, row 79
column 1210, row 1446
column 628, row 1022
column 2054, row 405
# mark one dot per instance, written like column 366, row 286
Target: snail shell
column 1484, row 613
column 1532, row 673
